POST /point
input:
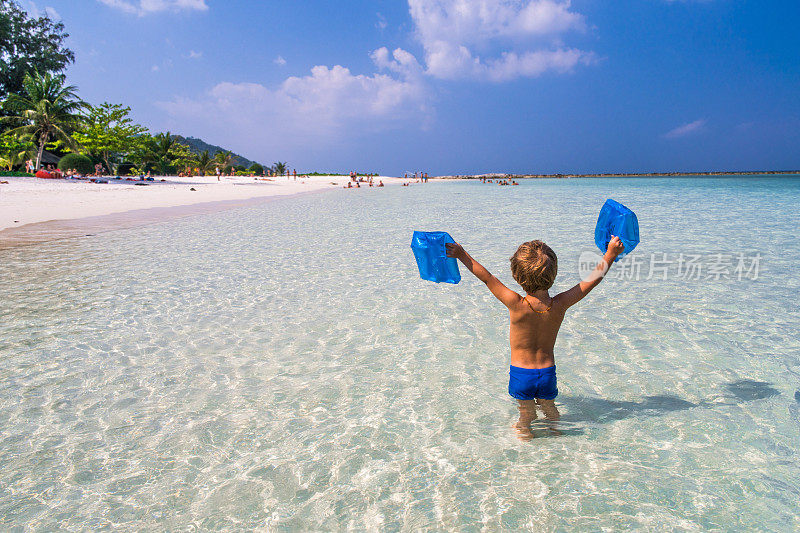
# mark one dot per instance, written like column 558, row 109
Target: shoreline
column 56, row 230
column 35, row 211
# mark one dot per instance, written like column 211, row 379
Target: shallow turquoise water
column 283, row 367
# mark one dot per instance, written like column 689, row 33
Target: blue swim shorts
column 532, row 383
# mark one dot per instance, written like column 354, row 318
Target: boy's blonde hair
column 534, row 266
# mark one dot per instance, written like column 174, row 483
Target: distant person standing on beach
column 29, row 166
column 219, row 173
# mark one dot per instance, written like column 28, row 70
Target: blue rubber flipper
column 616, row 219
column 431, row 255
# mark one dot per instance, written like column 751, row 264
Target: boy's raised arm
column 576, row 294
column 501, row 292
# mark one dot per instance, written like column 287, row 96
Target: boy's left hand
column 454, row 250
column 615, row 246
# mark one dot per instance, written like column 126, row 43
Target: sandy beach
column 34, row 210
column 30, row 200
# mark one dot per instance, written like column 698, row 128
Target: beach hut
column 49, row 158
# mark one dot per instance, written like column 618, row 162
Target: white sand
column 31, row 200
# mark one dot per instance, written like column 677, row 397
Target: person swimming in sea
column 535, row 321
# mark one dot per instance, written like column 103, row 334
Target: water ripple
column 283, row 367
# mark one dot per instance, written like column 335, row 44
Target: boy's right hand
column 454, row 250
column 615, row 246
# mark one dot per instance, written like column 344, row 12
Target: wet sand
column 48, row 210
column 53, row 230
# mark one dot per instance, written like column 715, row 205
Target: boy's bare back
column 535, row 321
column 536, row 317
column 533, row 332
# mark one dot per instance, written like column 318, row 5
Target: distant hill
column 198, row 145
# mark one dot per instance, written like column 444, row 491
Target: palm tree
column 14, row 150
column 13, row 159
column 223, row 159
column 204, row 162
column 48, row 109
column 163, row 143
column 280, row 168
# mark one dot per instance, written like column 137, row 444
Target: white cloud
column 144, row 7
column 280, row 61
column 333, row 94
column 686, row 129
column 381, row 24
column 453, row 63
column 195, row 55
column 399, row 61
column 327, row 104
column 521, row 37
column 478, row 21
column 34, row 11
column 448, row 61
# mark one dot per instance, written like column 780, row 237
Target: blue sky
column 454, row 86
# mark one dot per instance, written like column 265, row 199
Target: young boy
column 535, row 320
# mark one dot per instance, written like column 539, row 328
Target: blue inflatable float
column 616, row 219
column 431, row 255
